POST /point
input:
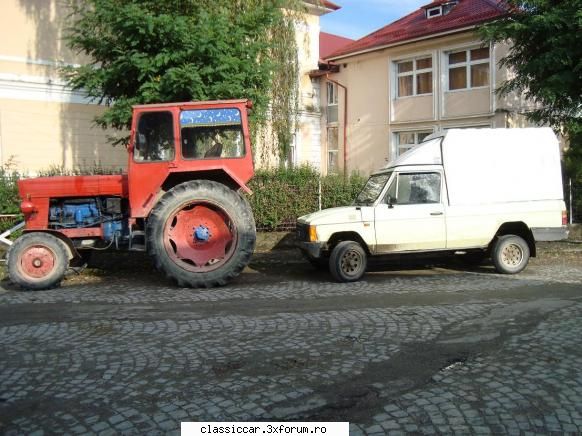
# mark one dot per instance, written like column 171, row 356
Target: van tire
column 347, row 262
column 510, row 254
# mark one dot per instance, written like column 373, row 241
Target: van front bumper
column 547, row 234
column 312, row 249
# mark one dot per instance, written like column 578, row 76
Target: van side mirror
column 390, row 201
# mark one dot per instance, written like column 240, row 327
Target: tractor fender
column 71, row 250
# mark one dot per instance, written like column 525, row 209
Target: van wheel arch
column 336, row 238
column 518, row 228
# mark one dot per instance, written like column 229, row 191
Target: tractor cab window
column 154, row 140
column 211, row 134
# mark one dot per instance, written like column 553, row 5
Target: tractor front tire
column 201, row 234
column 37, row 261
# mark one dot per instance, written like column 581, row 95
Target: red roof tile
column 331, row 5
column 415, row 25
column 329, row 43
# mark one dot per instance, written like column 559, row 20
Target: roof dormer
column 438, row 9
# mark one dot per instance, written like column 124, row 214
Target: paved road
column 427, row 350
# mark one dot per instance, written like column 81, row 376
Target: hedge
column 9, row 200
column 279, row 196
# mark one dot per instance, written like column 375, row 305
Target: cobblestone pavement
column 431, row 350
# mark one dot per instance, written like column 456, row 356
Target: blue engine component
column 75, row 213
column 87, row 212
column 110, row 228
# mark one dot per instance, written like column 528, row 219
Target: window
column 292, row 152
column 211, row 133
column 468, row 68
column 332, row 103
column 372, row 189
column 406, row 140
column 154, row 140
column 434, row 12
column 486, row 126
column 332, row 150
column 414, row 77
column 415, row 188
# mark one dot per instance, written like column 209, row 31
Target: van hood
column 335, row 215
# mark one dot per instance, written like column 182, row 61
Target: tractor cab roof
column 245, row 101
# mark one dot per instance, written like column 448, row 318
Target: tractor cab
column 169, row 142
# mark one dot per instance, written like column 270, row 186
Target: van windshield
column 371, row 191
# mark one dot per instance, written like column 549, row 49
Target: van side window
column 419, row 188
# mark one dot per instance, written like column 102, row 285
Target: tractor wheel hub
column 201, row 234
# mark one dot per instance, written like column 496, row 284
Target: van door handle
column 436, row 213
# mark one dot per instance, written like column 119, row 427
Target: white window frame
column 332, row 100
column 332, row 151
column 465, row 126
column 332, row 97
column 414, row 73
column 398, row 148
column 292, row 153
column 438, row 8
column 467, row 64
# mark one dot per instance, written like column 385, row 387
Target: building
column 306, row 147
column 425, row 72
column 42, row 122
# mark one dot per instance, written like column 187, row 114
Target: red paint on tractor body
column 146, row 178
column 143, row 184
column 40, row 190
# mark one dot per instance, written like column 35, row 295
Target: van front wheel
column 510, row 254
column 347, row 262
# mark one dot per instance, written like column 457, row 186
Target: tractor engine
column 72, row 213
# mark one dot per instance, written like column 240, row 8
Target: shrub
column 282, row 195
column 339, row 191
column 9, row 200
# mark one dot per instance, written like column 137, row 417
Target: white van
column 476, row 192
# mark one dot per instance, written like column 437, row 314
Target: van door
column 411, row 216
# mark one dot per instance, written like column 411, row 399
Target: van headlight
column 312, row 234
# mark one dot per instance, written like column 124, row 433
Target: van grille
column 302, row 233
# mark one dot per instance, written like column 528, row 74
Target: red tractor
column 180, row 201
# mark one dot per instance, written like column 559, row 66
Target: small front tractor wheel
column 201, row 234
column 510, row 254
column 37, row 261
column 347, row 262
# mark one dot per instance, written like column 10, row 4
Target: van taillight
column 564, row 218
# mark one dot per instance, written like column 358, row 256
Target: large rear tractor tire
column 201, row 234
column 37, row 261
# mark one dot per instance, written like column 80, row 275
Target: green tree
column 151, row 51
column 546, row 57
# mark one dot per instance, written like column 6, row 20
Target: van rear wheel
column 347, row 262
column 510, row 254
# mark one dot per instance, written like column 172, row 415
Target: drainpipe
column 345, row 122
